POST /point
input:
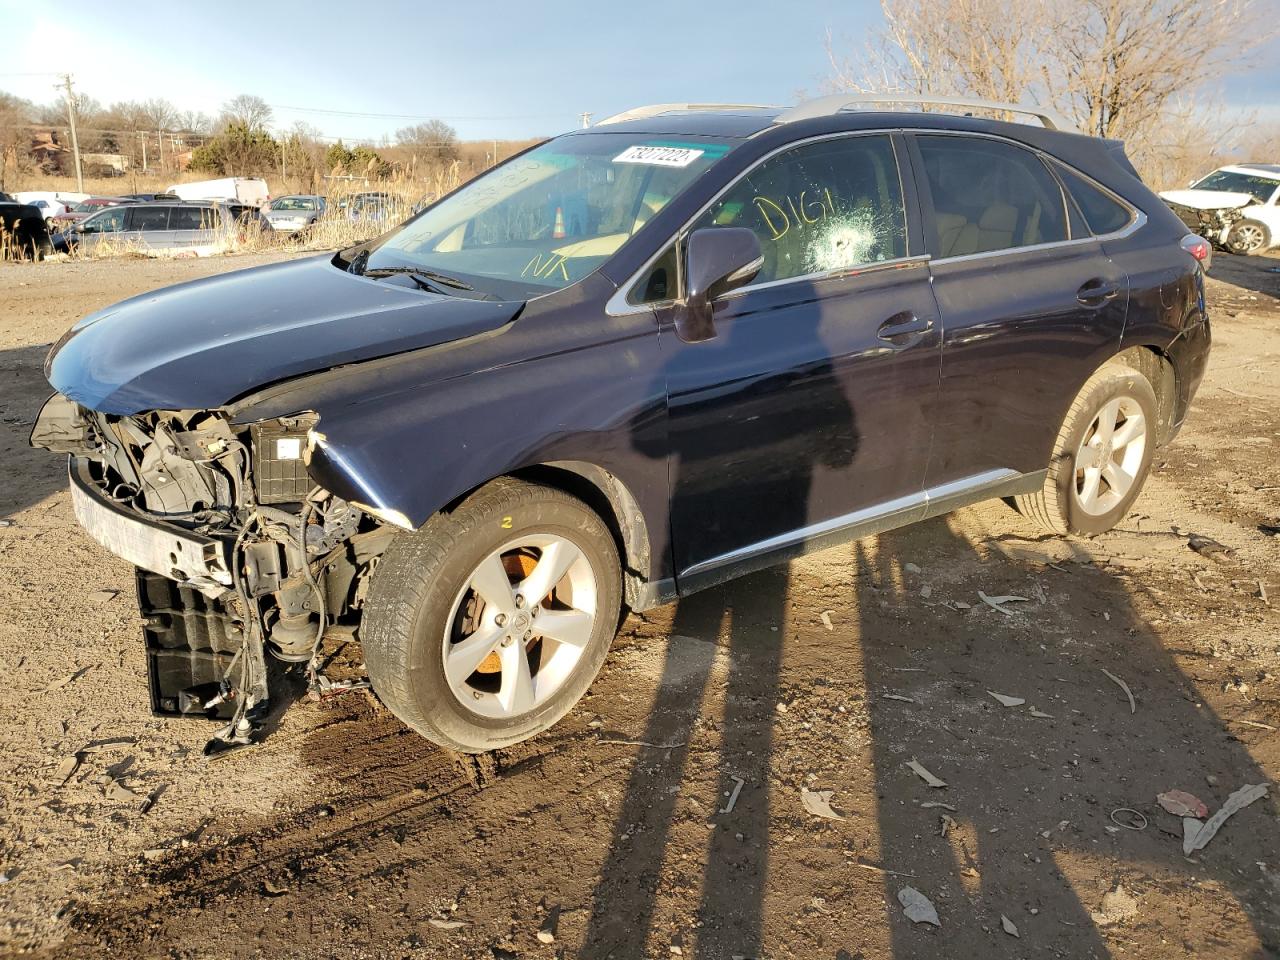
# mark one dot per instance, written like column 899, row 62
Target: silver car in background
column 294, row 213
column 196, row 228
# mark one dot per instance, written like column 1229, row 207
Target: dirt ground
column 343, row 835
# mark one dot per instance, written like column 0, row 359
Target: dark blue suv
column 630, row 363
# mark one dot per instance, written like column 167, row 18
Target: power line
column 411, row 116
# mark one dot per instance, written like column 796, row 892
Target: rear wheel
column 487, row 626
column 1248, row 237
column 1101, row 456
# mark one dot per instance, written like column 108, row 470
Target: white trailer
column 251, row 190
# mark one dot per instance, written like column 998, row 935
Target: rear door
column 189, row 226
column 807, row 416
column 148, row 224
column 1030, row 304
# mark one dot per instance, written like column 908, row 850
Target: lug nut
column 500, row 619
column 528, row 635
column 519, row 600
column 506, row 641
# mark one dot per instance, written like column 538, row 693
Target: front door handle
column 903, row 326
column 1096, row 292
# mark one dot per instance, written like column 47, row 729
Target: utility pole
column 143, row 137
column 75, row 141
column 493, row 157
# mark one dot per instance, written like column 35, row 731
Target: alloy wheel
column 519, row 626
column 1110, row 456
column 1247, row 238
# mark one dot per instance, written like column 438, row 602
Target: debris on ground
column 818, row 803
column 67, row 680
column 1128, row 818
column 1208, row 547
column 918, row 907
column 1033, row 712
column 1008, row 926
column 1182, row 804
column 896, row 696
column 1255, row 723
column 447, row 924
column 948, row 824
column 1199, row 837
column 103, row 596
column 1133, row 707
column 733, row 797
column 118, row 791
column 550, row 924
column 66, row 769
column 1005, row 701
column 930, row 804
column 918, row 769
column 273, row 889
column 1117, row 907
column 997, row 603
column 825, row 616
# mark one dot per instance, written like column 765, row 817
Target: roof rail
column 656, row 109
column 835, row 103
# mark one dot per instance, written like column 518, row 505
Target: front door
column 808, row 414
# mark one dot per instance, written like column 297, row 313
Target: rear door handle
column 1096, row 292
column 902, row 326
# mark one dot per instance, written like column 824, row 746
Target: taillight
column 1198, row 247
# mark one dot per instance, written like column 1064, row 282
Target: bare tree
column 15, row 137
column 1119, row 68
column 193, row 121
column 246, row 110
column 434, row 141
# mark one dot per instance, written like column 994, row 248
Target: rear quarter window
column 1101, row 212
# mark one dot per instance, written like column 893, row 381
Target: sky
column 491, row 68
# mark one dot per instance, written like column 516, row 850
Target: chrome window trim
column 1137, row 220
column 618, row 305
column 952, row 490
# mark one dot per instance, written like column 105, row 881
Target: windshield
column 294, row 203
column 1259, row 187
column 551, row 216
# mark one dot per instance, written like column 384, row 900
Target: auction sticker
column 659, row 156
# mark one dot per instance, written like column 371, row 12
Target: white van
column 251, row 190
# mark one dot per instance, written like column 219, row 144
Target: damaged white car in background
column 1236, row 208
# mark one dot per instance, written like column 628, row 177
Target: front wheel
column 1248, row 237
column 1101, row 456
column 487, row 626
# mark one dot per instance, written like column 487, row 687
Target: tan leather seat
column 956, row 235
column 997, row 226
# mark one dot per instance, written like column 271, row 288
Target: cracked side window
column 820, row 207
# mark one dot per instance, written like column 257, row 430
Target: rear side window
column 190, row 218
column 990, row 196
column 1102, row 213
column 819, row 207
column 147, row 217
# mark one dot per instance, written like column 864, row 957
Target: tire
column 1248, row 237
column 1078, row 497
column 424, row 610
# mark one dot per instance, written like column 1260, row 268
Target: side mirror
column 717, row 260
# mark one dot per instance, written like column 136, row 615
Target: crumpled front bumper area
column 164, row 548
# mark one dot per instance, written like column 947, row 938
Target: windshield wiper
column 418, row 274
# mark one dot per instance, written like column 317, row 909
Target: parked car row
column 162, row 226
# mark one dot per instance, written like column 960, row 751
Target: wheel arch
column 615, row 504
column 1154, row 364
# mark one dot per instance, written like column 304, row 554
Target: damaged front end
column 238, row 552
column 1208, row 213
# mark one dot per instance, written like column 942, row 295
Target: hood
column 202, row 344
column 1207, row 199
